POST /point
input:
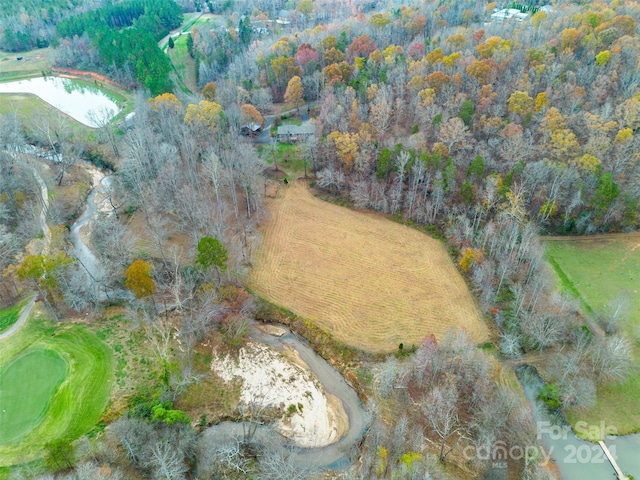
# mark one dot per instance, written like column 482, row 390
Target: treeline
column 29, row 24
column 122, row 39
column 157, row 18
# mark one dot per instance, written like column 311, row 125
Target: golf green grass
column 60, row 377
column 597, row 270
column 26, row 386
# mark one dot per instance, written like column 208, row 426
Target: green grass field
column 8, row 316
column 288, row 157
column 26, row 386
column 33, row 62
column 28, row 106
column 185, row 66
column 50, row 399
column 597, row 270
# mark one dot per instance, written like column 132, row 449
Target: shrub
column 550, row 396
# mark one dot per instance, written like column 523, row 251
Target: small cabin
column 251, row 129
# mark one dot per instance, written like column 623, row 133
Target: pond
column 83, row 101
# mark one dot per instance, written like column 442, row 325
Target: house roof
column 296, row 130
column 509, row 13
column 253, row 126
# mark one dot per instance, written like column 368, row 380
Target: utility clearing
column 371, row 282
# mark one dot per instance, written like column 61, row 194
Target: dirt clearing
column 371, row 282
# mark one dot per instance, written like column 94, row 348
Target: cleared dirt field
column 371, row 282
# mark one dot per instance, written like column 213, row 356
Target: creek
column 577, row 459
column 336, row 455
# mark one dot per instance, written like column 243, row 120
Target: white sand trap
column 271, row 379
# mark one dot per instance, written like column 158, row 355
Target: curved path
column 42, row 220
column 24, row 315
column 338, row 455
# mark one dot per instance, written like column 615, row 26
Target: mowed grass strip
column 26, row 387
column 9, row 316
column 600, row 268
column 77, row 404
column 371, row 282
column 185, row 65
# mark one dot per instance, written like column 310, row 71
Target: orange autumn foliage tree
column 138, row 279
column 252, row 114
column 346, row 146
column 469, row 258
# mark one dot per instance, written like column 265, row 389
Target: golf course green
column 55, row 382
column 26, row 386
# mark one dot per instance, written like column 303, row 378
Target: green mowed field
column 598, row 269
column 27, row 107
column 601, row 268
column 33, row 62
column 55, row 382
column 183, row 63
column 26, row 386
column 8, row 316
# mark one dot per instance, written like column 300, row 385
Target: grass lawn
column 29, row 107
column 288, row 157
column 185, row 66
column 597, row 270
column 291, row 121
column 60, row 377
column 33, row 63
column 8, row 316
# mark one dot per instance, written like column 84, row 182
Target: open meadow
column 371, row 282
column 185, row 66
column 598, row 269
column 183, row 63
column 54, row 384
column 32, row 63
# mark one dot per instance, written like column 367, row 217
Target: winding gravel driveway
column 336, row 456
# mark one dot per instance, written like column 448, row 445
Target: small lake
column 76, row 98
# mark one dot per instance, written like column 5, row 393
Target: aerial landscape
column 319, row 239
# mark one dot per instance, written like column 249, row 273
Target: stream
column 82, row 251
column 339, row 454
column 336, row 456
column 578, row 459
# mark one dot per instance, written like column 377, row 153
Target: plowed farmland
column 369, row 281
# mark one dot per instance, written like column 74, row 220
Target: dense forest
column 485, row 133
column 121, row 39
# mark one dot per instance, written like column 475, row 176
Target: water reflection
column 86, row 103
